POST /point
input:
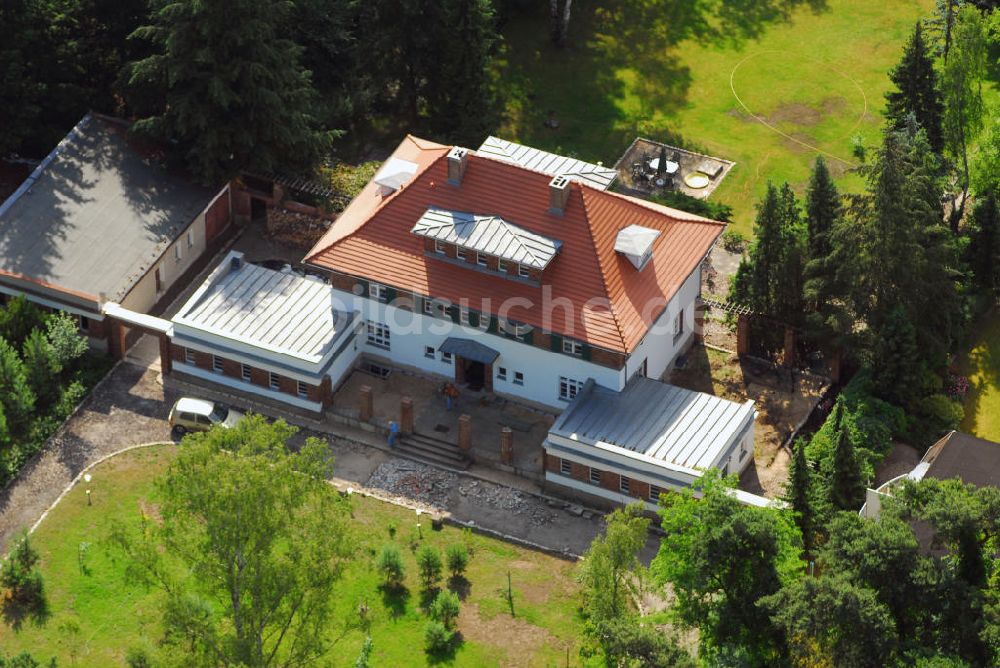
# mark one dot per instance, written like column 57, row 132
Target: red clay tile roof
column 613, row 305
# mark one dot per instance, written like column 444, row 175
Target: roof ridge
column 600, row 263
column 678, row 214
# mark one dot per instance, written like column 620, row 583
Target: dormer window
column 635, row 242
column 440, row 247
column 378, row 292
column 571, row 347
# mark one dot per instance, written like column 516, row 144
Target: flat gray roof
column 661, row 421
column 597, row 176
column 491, row 235
column 272, row 310
column 96, row 214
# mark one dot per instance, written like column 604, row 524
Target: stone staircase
column 432, row 451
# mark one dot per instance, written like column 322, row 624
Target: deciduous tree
column 249, row 546
column 608, row 569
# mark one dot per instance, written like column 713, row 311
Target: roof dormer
column 394, row 174
column 636, row 243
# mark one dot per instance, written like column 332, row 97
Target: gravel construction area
column 126, row 408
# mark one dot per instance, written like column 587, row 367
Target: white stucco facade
column 660, row 347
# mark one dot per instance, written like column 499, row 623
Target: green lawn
column 94, row 617
column 982, row 365
column 669, row 72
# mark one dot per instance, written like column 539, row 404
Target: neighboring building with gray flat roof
column 102, row 220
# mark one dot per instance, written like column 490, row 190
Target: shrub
column 19, row 577
column 458, row 559
column 936, row 415
column 700, row 207
column 429, row 564
column 137, row 657
column 436, row 637
column 390, row 565
column 733, row 241
column 364, row 656
column 445, row 607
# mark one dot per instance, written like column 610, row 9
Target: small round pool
column 696, row 180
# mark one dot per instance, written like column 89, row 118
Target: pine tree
column 822, row 209
column 847, row 488
column 984, row 243
column 41, row 368
column 226, row 86
column 16, row 395
column 897, row 366
column 798, row 493
column 461, row 104
column 916, row 91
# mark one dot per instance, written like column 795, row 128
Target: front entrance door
column 475, row 374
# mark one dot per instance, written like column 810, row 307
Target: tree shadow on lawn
column 583, row 85
column 395, row 599
column 460, row 586
column 15, row 612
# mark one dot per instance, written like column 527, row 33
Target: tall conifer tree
column 916, row 91
column 847, row 488
column 226, row 86
column 798, row 492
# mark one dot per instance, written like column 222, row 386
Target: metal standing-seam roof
column 597, row 176
column 283, row 313
column 491, row 235
column 661, row 421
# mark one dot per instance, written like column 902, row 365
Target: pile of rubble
column 413, row 481
column 512, row 501
column 295, row 229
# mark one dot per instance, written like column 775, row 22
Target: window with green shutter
column 555, row 343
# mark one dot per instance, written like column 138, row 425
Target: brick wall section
column 639, row 489
column 610, row 480
column 551, row 463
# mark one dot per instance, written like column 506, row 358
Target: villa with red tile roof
column 506, row 270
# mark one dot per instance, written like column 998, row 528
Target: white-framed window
column 518, row 378
column 595, row 476
column 571, row 347
column 190, row 239
column 245, row 372
column 459, row 253
column 178, row 254
column 463, row 316
column 428, row 307
column 623, row 485
column 378, row 335
column 523, row 272
column 565, row 467
column 569, row 388
column 446, row 358
column 484, row 321
column 502, row 266
column 679, row 323
column 189, row 356
column 439, row 247
column 481, row 260
column 273, row 381
column 429, row 351
column 654, row 493
column 378, row 292
column 217, row 364
column 501, row 373
column 515, row 329
column 301, row 389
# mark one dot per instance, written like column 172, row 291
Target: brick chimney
column 458, row 158
column 558, row 194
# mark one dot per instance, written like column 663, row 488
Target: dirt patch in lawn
column 795, row 113
column 515, row 636
column 783, row 400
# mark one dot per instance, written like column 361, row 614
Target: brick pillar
column 488, row 377
column 117, row 345
column 788, row 355
column 165, row 361
column 742, row 334
column 836, row 364
column 406, row 415
column 459, row 369
column 465, row 432
column 507, row 446
column 367, row 406
column 699, row 320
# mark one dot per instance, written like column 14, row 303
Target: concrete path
column 130, row 406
